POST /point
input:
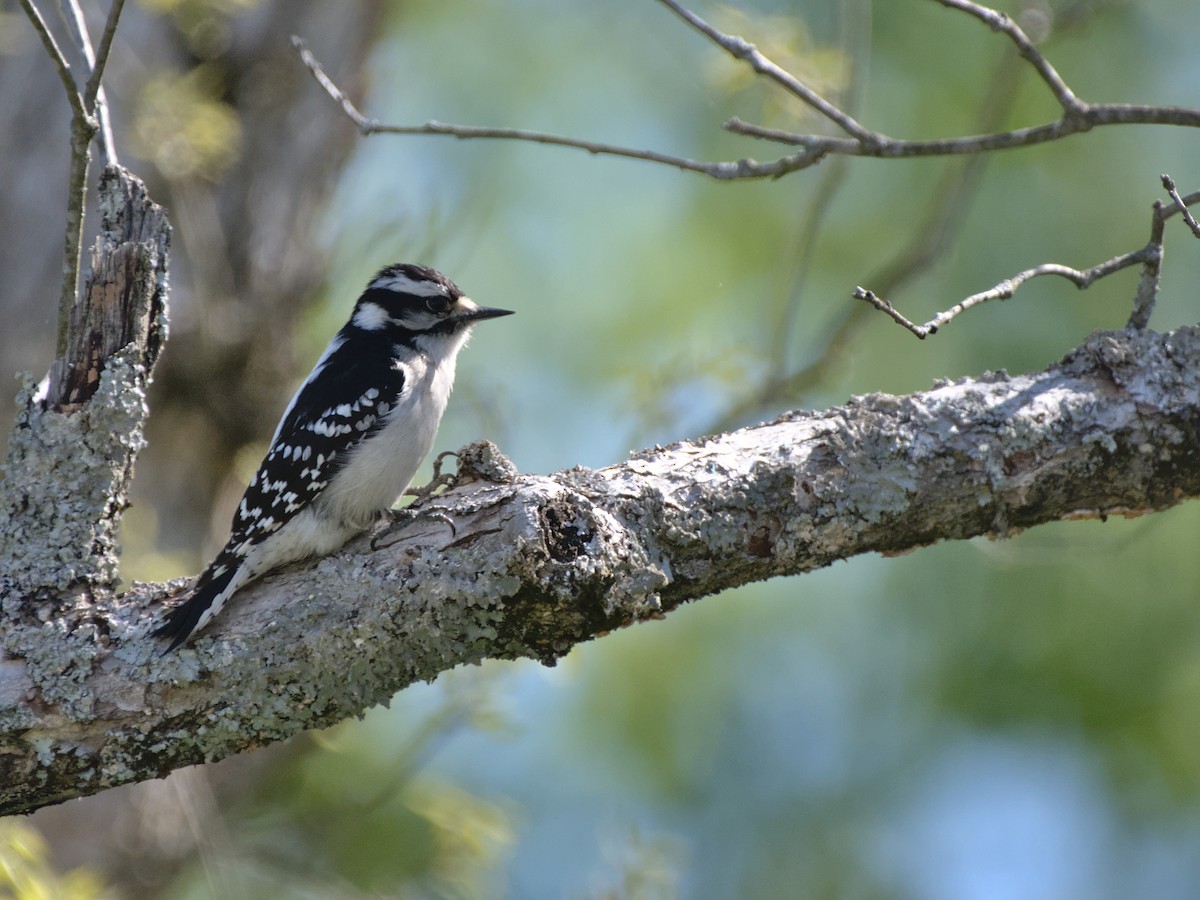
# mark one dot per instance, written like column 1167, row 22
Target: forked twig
column 721, row 171
column 1149, row 257
column 1169, row 183
column 89, row 119
column 743, row 50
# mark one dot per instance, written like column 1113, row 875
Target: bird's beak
column 472, row 312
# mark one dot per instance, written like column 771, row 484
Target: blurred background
column 1016, row 719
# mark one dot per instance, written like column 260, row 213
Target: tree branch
column 94, row 98
column 721, row 171
column 937, row 226
column 746, row 52
column 536, row 564
column 1078, row 116
column 61, row 66
column 69, row 459
column 83, row 129
column 1181, row 205
column 998, row 21
column 1149, row 257
column 89, row 117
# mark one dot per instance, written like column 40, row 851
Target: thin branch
column 56, row 56
column 746, row 52
column 1078, row 116
column 939, row 223
column 1089, row 117
column 1169, row 183
column 1147, row 289
column 365, row 125
column 89, row 118
column 93, row 89
column 998, row 21
column 854, row 18
column 94, row 93
column 722, row 171
column 862, row 293
column 94, row 100
column 1149, row 257
column 83, row 129
column 1005, row 289
column 1147, row 292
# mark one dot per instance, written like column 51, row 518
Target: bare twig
column 1169, row 183
column 1149, row 257
column 939, row 224
column 748, row 53
column 855, row 42
column 1091, row 116
column 83, row 129
column 722, row 171
column 365, row 125
column 93, row 92
column 56, row 56
column 1147, row 289
column 1005, row 289
column 93, row 88
column 1078, row 116
column 94, row 100
column 861, row 293
column 998, row 21
column 89, row 117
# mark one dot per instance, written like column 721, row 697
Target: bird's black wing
column 344, row 400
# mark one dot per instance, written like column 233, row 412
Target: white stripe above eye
column 402, row 284
column 370, row 316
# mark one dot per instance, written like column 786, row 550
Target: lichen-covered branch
column 528, row 566
column 69, row 459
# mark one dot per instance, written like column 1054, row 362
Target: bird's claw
column 440, row 479
column 407, row 514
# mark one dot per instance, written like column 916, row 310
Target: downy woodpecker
column 351, row 439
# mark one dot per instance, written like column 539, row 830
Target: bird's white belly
column 384, row 464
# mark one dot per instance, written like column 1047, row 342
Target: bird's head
column 420, row 301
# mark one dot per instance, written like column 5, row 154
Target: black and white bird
column 351, row 439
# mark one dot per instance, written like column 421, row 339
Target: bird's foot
column 439, row 480
column 397, row 519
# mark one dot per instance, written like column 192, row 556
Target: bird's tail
column 212, row 589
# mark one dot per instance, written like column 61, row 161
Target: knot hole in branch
column 566, row 529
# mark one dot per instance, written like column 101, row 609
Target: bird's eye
column 439, row 306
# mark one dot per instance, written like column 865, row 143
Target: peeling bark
column 508, row 565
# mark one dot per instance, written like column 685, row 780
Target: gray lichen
column 531, row 565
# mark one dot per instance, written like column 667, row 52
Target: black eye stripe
column 437, row 305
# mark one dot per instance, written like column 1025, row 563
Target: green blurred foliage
column 357, row 814
column 183, row 127
column 206, row 26
column 26, row 872
column 181, row 122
